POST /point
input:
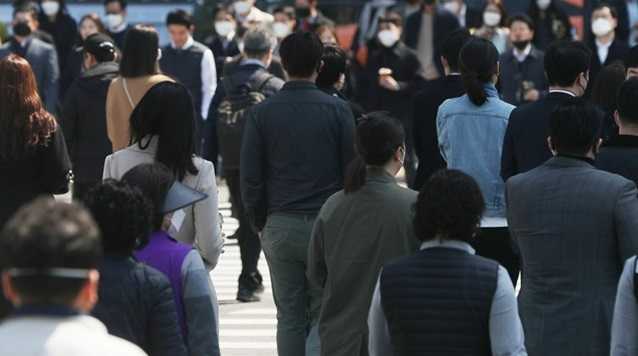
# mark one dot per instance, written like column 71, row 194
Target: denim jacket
column 471, row 140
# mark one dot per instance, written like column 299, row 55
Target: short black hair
column 28, row 7
column 631, row 60
column 450, row 206
column 286, row 10
column 179, row 17
column 139, row 53
column 627, row 103
column 575, row 126
column 452, row 45
column 123, row 3
column 154, row 180
column 301, row 54
column 602, row 5
column 604, row 92
column 520, row 17
column 47, row 234
column 565, row 60
column 123, row 214
column 392, row 17
column 335, row 63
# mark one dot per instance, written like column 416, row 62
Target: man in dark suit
column 426, row 106
column 522, row 76
column 41, row 56
column 620, row 154
column 606, row 47
column 574, row 226
column 524, row 147
column 424, row 31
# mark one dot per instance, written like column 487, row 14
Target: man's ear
column 88, row 296
column 7, row 289
column 617, row 118
column 551, row 145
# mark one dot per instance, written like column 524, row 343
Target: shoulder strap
column 261, row 79
column 128, row 95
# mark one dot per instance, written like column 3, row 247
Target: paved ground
column 246, row 329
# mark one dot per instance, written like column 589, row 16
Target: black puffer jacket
column 136, row 303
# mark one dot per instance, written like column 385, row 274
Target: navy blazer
column 444, row 23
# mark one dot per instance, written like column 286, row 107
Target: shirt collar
column 189, row 43
column 601, row 45
column 490, row 89
column 579, row 158
column 299, row 84
column 521, row 55
column 254, row 61
column 562, row 92
column 454, row 244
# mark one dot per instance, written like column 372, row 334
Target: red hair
column 24, row 123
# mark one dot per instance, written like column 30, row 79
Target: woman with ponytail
column 357, row 231
column 471, row 129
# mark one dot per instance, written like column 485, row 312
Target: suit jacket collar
column 566, row 161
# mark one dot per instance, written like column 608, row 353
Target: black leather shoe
column 246, row 295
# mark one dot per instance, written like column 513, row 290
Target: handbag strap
column 128, row 95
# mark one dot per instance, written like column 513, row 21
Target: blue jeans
column 285, row 243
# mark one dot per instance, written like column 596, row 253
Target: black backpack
column 231, row 115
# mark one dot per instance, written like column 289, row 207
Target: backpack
column 231, row 115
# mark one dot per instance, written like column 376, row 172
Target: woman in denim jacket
column 471, row 129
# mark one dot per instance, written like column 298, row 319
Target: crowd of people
column 517, row 143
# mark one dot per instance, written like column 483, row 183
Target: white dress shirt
column 521, row 55
column 602, row 50
column 209, row 76
column 506, row 331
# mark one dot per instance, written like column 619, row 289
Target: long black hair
column 140, row 52
column 378, row 136
column 478, row 62
column 167, row 111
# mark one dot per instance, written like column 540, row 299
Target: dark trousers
column 495, row 243
column 249, row 244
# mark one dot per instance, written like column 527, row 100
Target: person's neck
column 311, row 79
column 606, row 39
column 628, row 130
column 313, row 12
column 392, row 168
column 429, row 9
column 589, row 155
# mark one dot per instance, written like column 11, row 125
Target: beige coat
column 201, row 223
column 120, row 106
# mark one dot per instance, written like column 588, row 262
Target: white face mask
column 491, row 19
column 113, row 21
column 388, row 37
column 601, row 27
column 543, row 4
column 280, row 29
column 50, row 8
column 224, row 28
column 242, row 7
column 452, row 6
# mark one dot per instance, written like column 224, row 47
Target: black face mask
column 21, row 29
column 520, row 45
column 302, row 12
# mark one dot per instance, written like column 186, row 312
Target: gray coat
column 44, row 62
column 354, row 235
column 574, row 226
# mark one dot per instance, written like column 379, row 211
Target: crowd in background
column 518, row 139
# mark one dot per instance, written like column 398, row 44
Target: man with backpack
column 246, row 83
